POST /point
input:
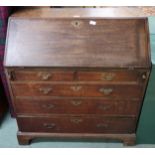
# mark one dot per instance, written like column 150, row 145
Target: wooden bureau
column 77, row 73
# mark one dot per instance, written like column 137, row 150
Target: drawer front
column 77, row 106
column 110, row 76
column 77, row 124
column 49, row 75
column 77, row 90
column 67, row 75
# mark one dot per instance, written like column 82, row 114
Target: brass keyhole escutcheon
column 108, row 76
column 76, row 23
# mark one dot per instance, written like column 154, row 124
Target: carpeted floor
column 8, row 138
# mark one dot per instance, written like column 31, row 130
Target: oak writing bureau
column 77, row 73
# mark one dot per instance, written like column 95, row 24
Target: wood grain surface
column 78, row 43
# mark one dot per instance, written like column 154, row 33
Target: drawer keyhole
column 76, row 23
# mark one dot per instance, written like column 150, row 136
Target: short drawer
column 35, row 75
column 76, row 106
column 77, row 90
column 112, row 76
column 79, row 75
column 77, row 124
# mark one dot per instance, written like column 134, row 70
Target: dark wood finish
column 24, row 138
column 77, row 75
column 77, row 90
column 77, row 124
column 82, row 45
column 27, row 106
column 110, row 76
column 32, row 75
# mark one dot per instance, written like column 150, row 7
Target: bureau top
column 40, row 38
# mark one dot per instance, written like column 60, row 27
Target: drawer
column 77, row 124
column 77, row 90
column 78, row 75
column 110, row 76
column 30, row 75
column 76, row 106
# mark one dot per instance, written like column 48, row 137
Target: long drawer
column 77, row 90
column 76, row 106
column 78, row 75
column 77, row 124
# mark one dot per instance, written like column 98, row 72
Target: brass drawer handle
column 44, row 76
column 106, row 91
column 48, row 106
column 101, row 125
column 45, row 90
column 144, row 76
column 76, row 23
column 49, row 126
column 76, row 103
column 76, row 88
column 104, row 107
column 76, row 120
column 108, row 76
